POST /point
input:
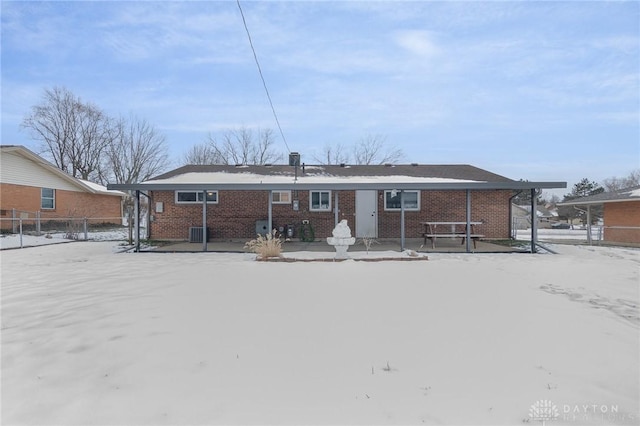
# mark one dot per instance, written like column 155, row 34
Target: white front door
column 367, row 214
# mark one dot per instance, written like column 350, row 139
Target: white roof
column 252, row 178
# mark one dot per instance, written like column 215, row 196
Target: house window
column 320, row 201
column 193, row 197
column 48, row 198
column 411, row 200
column 281, row 197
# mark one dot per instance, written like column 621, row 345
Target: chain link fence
column 18, row 226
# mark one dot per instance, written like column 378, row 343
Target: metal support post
column 468, row 219
column 204, row 220
column 402, row 231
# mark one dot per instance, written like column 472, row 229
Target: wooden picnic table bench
column 431, row 231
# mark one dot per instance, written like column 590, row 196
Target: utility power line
column 264, row 83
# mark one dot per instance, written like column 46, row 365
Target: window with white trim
column 411, row 200
column 48, row 198
column 195, row 197
column 281, row 197
column 319, row 201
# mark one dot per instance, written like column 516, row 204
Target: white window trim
column 195, row 202
column 311, row 209
column 42, row 198
column 281, row 192
column 397, row 209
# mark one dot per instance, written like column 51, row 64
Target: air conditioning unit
column 195, row 234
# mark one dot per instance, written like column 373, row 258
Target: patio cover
column 184, row 179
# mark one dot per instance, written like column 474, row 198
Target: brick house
column 621, row 213
column 244, row 200
column 32, row 187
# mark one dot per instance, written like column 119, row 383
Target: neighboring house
column 244, row 200
column 621, row 213
column 521, row 216
column 31, row 187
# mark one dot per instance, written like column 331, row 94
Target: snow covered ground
column 92, row 336
column 10, row 241
column 545, row 234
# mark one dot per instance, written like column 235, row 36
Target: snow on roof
column 99, row 188
column 224, row 177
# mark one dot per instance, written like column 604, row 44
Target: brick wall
column 490, row 207
column 67, row 204
column 625, row 214
column 236, row 213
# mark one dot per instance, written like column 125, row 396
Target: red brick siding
column 625, row 214
column 236, row 213
column 103, row 208
column 490, row 207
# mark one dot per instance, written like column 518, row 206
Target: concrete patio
column 443, row 245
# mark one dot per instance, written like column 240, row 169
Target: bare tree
column 137, row 151
column 204, row 153
column 240, row 146
column 615, row 183
column 72, row 132
column 237, row 145
column 371, row 150
column 332, row 154
column 263, row 152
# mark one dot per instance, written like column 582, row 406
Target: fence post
column 13, row 221
column 86, row 230
column 20, row 232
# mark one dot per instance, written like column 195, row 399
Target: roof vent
column 388, row 165
column 414, row 164
column 342, row 164
column 239, row 164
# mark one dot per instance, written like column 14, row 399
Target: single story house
column 621, row 213
column 381, row 201
column 31, row 188
column 521, row 216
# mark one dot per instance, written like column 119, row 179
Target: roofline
column 341, row 186
column 586, row 203
column 30, row 155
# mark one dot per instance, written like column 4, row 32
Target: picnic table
column 434, row 230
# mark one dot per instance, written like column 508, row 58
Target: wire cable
column 264, row 83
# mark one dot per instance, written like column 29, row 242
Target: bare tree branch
column 204, row 153
column 371, row 150
column 236, row 146
column 138, row 151
column 616, row 183
column 332, row 154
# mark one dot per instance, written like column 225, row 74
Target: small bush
column 269, row 245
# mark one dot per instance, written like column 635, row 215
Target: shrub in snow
column 269, row 245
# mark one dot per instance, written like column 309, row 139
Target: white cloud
column 417, row 42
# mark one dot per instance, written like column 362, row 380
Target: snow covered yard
column 11, row 241
column 90, row 336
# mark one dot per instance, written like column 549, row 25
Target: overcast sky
column 530, row 90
